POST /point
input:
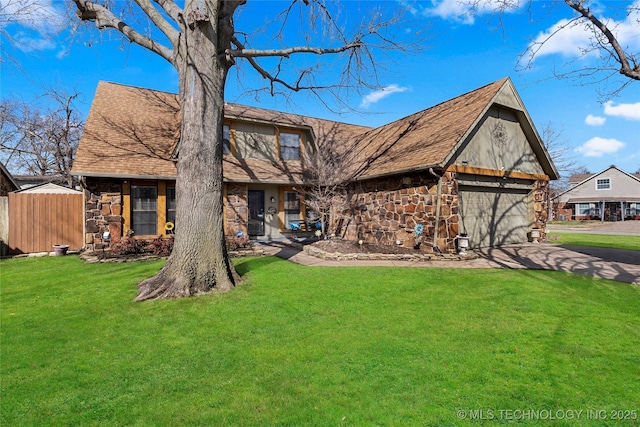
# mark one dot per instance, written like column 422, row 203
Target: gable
column 49, row 188
column 499, row 142
column 423, row 139
column 622, row 187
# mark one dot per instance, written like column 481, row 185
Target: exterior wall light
column 463, row 243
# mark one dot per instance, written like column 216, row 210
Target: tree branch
column 626, row 69
column 255, row 53
column 162, row 24
column 104, row 18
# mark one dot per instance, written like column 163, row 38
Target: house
column 609, row 195
column 474, row 164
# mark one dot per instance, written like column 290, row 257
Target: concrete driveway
column 620, row 265
column 614, row 264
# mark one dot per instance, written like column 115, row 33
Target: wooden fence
column 39, row 221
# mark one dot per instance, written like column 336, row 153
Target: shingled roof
column 133, row 132
column 424, row 139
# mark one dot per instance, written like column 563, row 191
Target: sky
column 455, row 52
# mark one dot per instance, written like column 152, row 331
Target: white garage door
column 494, row 216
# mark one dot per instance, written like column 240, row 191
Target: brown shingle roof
column 129, row 132
column 132, row 132
column 422, row 139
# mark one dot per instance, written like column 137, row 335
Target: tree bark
column 199, row 262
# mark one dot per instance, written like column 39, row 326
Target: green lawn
column 314, row 346
column 598, row 240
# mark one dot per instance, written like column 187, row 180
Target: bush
column 126, row 246
column 159, row 246
column 239, row 242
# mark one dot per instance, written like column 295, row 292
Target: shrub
column 126, row 246
column 239, row 242
column 159, row 246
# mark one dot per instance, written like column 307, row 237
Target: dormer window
column 289, row 146
column 603, row 184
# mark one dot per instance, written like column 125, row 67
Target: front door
column 255, row 225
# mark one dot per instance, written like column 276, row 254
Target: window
column 144, row 209
column 171, row 204
column 226, row 139
column 291, row 208
column 583, row 209
column 603, row 184
column 289, row 146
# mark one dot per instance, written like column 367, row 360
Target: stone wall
column 236, row 209
column 540, row 207
column 386, row 211
column 103, row 208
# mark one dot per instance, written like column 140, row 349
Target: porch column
column 622, row 208
column 602, row 212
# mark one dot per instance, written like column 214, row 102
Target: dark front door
column 255, row 226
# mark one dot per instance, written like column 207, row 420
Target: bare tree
column 562, row 156
column 325, row 177
column 615, row 58
column 202, row 42
column 41, row 142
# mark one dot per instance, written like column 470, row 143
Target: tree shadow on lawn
column 245, row 265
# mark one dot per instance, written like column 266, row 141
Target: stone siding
column 386, row 211
column 540, row 207
column 103, row 208
column 236, row 209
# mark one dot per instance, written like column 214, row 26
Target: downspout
column 438, row 204
column 83, row 184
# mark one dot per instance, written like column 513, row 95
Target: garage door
column 494, row 216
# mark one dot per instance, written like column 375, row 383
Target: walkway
column 620, row 265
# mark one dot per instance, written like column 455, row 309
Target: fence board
column 39, row 221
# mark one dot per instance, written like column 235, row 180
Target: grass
column 313, row 346
column 631, row 243
column 575, row 224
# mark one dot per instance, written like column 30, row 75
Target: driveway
column 614, row 264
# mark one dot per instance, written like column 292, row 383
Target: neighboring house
column 474, row 165
column 610, row 195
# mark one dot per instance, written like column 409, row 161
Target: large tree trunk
column 199, row 262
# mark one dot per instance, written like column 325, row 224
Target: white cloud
column 377, row 95
column 627, row 111
column 34, row 23
column 571, row 38
column 465, row 11
column 598, row 147
column 592, row 120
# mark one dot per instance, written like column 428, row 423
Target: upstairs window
column 144, row 209
column 603, row 184
column 289, row 146
column 226, row 139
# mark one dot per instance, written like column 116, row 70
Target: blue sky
column 459, row 53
